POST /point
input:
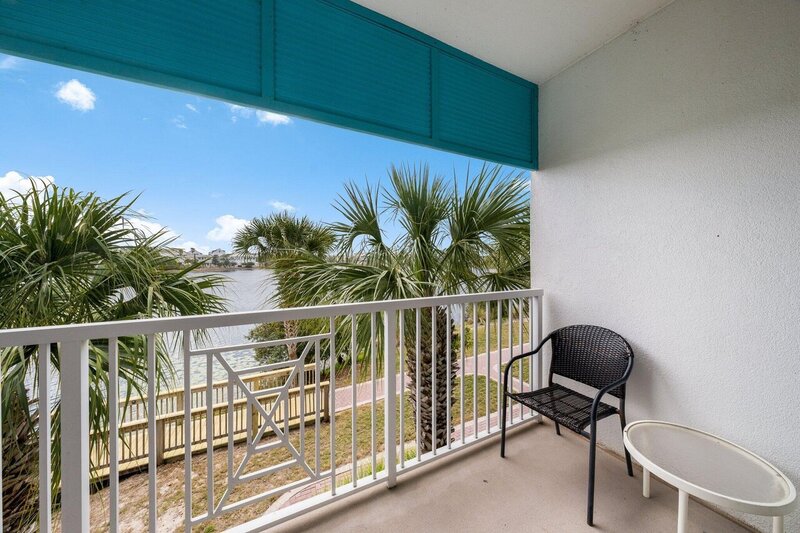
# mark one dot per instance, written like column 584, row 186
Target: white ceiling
column 534, row 39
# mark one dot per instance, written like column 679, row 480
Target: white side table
column 709, row 468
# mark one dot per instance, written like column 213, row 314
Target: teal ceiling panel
column 351, row 66
column 480, row 109
column 328, row 60
column 207, row 41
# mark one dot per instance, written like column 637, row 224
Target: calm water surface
column 245, row 290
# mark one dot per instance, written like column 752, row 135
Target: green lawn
column 133, row 490
column 522, row 368
column 344, row 374
column 493, row 335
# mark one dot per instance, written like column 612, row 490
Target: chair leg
column 592, row 449
column 558, row 428
column 503, row 427
column 627, row 453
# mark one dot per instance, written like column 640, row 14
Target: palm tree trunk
column 428, row 405
column 20, row 488
column 290, row 329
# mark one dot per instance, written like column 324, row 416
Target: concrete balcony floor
column 539, row 486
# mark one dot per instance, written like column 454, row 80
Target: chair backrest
column 591, row 355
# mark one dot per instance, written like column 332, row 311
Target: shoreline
column 227, row 269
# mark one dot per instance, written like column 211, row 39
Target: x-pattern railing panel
column 268, row 422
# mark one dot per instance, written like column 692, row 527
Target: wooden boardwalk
column 134, row 432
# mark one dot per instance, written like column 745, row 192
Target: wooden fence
column 133, row 431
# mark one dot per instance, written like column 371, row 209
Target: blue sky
column 202, row 166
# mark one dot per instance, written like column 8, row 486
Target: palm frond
column 360, row 232
column 68, row 257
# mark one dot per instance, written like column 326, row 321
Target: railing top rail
column 149, row 326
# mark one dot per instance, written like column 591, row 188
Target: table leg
column 683, row 511
column 645, row 483
column 777, row 524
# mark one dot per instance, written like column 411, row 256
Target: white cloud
column 150, row 227
column 227, row 226
column 14, row 182
column 9, row 62
column 238, row 111
column 76, row 95
column 277, row 205
column 179, row 122
column 276, row 119
column 192, row 108
column 263, row 117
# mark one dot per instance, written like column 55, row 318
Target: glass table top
column 709, row 462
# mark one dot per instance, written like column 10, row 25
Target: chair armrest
column 520, row 356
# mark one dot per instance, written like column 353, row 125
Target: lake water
column 245, row 290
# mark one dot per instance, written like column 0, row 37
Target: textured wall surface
column 668, row 209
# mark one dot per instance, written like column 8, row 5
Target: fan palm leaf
column 65, row 258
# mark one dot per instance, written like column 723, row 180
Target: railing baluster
column 463, row 342
column 511, row 350
column 487, row 334
column 531, row 346
column 418, row 346
column 353, row 390
column 45, row 495
column 449, row 369
column 402, row 342
column 372, row 364
column 390, row 397
column 332, row 403
column 152, row 433
column 285, row 415
column 209, row 434
column 113, row 433
column 75, row 436
column 475, row 368
column 540, row 365
column 501, row 374
column 434, row 399
column 301, row 382
column 521, row 350
column 230, row 422
column 318, row 408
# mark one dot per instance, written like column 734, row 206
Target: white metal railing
column 478, row 333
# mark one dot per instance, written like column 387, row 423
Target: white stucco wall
column 668, row 209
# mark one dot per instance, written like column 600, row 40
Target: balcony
column 662, row 138
column 270, row 464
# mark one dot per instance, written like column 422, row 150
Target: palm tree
column 281, row 235
column 451, row 241
column 68, row 257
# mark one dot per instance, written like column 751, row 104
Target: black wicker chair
column 591, row 355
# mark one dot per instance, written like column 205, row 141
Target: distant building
column 216, row 258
